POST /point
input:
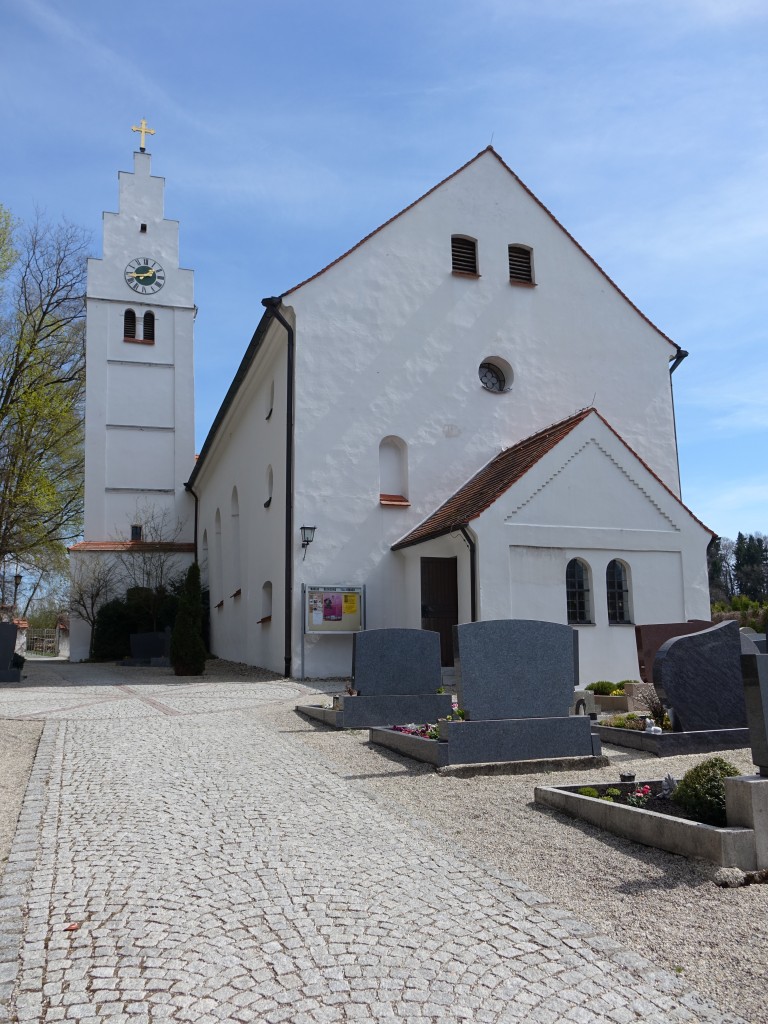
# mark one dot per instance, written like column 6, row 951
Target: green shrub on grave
column 602, row 688
column 701, row 791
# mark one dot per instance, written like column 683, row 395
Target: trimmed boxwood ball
column 701, row 791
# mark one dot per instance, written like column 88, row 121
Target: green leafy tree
column 42, row 381
column 750, row 567
column 187, row 647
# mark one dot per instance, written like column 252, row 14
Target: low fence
column 43, row 641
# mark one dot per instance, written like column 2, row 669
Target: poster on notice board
column 333, row 609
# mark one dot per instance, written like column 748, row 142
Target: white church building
column 472, row 416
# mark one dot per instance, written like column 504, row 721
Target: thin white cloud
column 733, row 403
column 86, row 49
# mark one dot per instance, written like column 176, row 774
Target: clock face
column 144, row 276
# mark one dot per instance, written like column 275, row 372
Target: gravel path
column 395, row 882
column 660, row 905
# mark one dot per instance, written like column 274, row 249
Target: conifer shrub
column 701, row 791
column 187, row 648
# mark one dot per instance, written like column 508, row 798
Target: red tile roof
column 498, row 475
column 492, row 151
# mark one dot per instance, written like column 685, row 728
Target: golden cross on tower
column 144, row 131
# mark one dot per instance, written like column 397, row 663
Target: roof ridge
column 519, row 180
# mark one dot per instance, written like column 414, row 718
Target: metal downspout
column 472, row 574
column 188, row 487
column 273, row 305
column 681, row 355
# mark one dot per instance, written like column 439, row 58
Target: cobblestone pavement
column 178, row 860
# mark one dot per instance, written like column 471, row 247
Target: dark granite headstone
column 7, row 644
column 7, row 648
column 700, row 675
column 396, row 661
column 145, row 646
column 651, row 636
column 758, row 639
column 515, row 668
column 754, row 668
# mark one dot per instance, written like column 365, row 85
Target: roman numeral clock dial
column 144, row 276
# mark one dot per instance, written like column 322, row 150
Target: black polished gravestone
column 515, row 680
column 150, row 649
column 395, row 675
column 7, row 649
column 700, row 675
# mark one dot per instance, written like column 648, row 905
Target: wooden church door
column 440, row 601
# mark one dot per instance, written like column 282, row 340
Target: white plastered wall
column 591, row 499
column 389, row 341
column 244, row 449
column 139, row 418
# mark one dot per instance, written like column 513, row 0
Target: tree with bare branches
column 93, row 582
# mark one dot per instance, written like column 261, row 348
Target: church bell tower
column 139, row 411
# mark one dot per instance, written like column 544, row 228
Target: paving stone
column 198, row 851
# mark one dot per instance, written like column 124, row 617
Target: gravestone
column 145, row 646
column 395, row 661
column 8, row 633
column 515, row 680
column 396, row 675
column 700, row 675
column 515, row 668
column 754, row 668
column 758, row 639
column 651, row 636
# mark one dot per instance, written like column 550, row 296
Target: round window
column 492, row 377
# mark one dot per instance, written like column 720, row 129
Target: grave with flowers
column 396, row 676
column 515, row 681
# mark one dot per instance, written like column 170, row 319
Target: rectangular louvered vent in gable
column 463, row 255
column 520, row 264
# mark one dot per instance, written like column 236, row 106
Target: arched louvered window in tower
column 149, row 327
column 520, row 264
column 129, row 324
column 464, row 255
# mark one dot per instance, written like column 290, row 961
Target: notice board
column 334, row 609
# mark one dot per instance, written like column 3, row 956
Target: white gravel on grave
column 660, row 905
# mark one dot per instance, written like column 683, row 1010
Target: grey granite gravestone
column 754, row 668
column 515, row 679
column 7, row 648
column 395, row 661
column 396, row 675
column 701, row 677
column 515, row 668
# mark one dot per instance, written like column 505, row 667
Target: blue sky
column 287, row 131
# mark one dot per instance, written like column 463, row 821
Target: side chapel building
column 475, row 419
